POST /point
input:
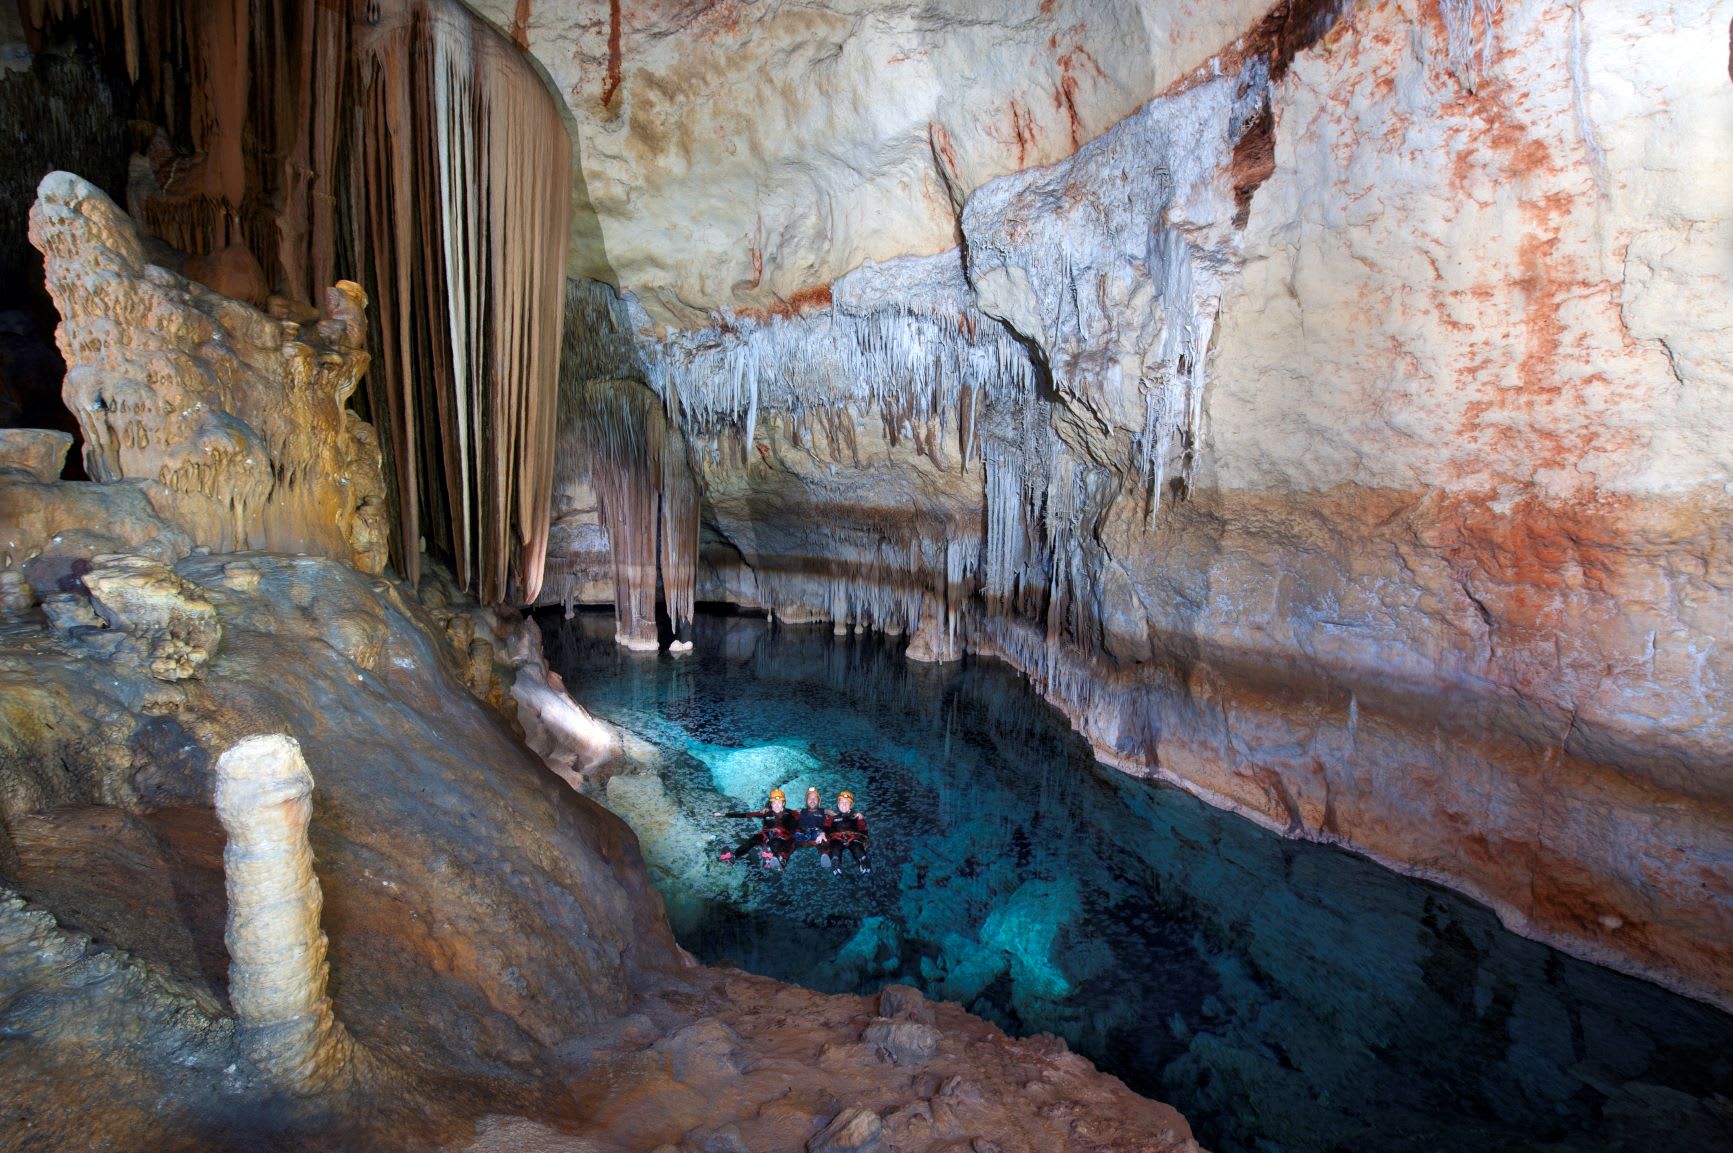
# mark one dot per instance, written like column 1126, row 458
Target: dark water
column 1284, row 996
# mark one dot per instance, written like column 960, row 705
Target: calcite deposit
column 747, row 155
column 405, row 146
column 1331, row 434
column 277, row 979
column 237, row 422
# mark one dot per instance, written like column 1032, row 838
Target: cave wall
column 745, row 155
column 1334, row 435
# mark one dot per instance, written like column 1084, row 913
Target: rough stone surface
column 902, row 1042
column 1367, row 481
column 746, row 155
column 851, row 1131
column 167, row 625
column 904, row 1003
column 37, row 453
column 240, row 418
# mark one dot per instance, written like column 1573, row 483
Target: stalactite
column 902, row 340
column 435, row 141
column 1469, row 27
column 618, row 436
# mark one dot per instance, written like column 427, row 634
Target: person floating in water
column 810, row 822
column 846, row 831
column 774, row 839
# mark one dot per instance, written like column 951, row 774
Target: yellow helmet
column 778, row 795
column 845, row 796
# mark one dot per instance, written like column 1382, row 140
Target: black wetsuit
column 849, row 831
column 808, row 824
column 776, row 832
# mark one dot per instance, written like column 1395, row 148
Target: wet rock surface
column 497, row 958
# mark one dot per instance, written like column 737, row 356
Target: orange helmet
column 845, row 796
column 778, row 795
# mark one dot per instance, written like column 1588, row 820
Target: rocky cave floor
column 496, row 950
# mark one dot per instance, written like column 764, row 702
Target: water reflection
column 1285, row 996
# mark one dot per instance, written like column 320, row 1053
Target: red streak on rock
column 1065, row 98
column 942, row 145
column 1023, row 128
column 520, row 25
column 818, row 296
column 611, row 84
column 811, row 299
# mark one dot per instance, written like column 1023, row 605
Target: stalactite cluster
column 637, row 461
column 902, row 342
column 405, row 145
column 1065, row 362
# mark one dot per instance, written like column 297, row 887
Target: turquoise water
column 1284, row 996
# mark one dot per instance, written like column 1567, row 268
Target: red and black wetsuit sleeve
column 756, row 813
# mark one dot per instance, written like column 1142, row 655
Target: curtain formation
column 640, row 466
column 407, row 146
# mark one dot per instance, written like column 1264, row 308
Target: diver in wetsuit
column 811, row 821
column 846, row 831
column 775, row 836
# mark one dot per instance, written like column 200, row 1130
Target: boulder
column 39, row 453
column 851, row 1131
column 902, row 1042
column 905, row 1003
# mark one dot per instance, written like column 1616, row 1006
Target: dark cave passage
column 1284, row 995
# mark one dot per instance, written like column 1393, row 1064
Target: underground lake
column 1286, row 996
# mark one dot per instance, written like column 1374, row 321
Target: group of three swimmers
column 837, row 831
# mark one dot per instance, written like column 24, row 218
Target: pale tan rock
column 168, row 625
column 38, row 453
column 240, row 418
column 747, row 155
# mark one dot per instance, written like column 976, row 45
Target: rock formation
column 238, row 422
column 405, row 146
column 1330, row 435
column 1321, row 403
column 501, row 969
column 278, row 973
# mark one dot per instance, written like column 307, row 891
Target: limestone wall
column 1354, row 460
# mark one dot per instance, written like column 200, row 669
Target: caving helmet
column 778, row 795
column 845, row 795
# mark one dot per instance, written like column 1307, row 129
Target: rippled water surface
column 1284, row 996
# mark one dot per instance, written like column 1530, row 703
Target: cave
column 1224, row 506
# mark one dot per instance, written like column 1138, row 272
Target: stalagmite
column 277, row 969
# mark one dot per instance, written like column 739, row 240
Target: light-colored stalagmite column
column 277, row 967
